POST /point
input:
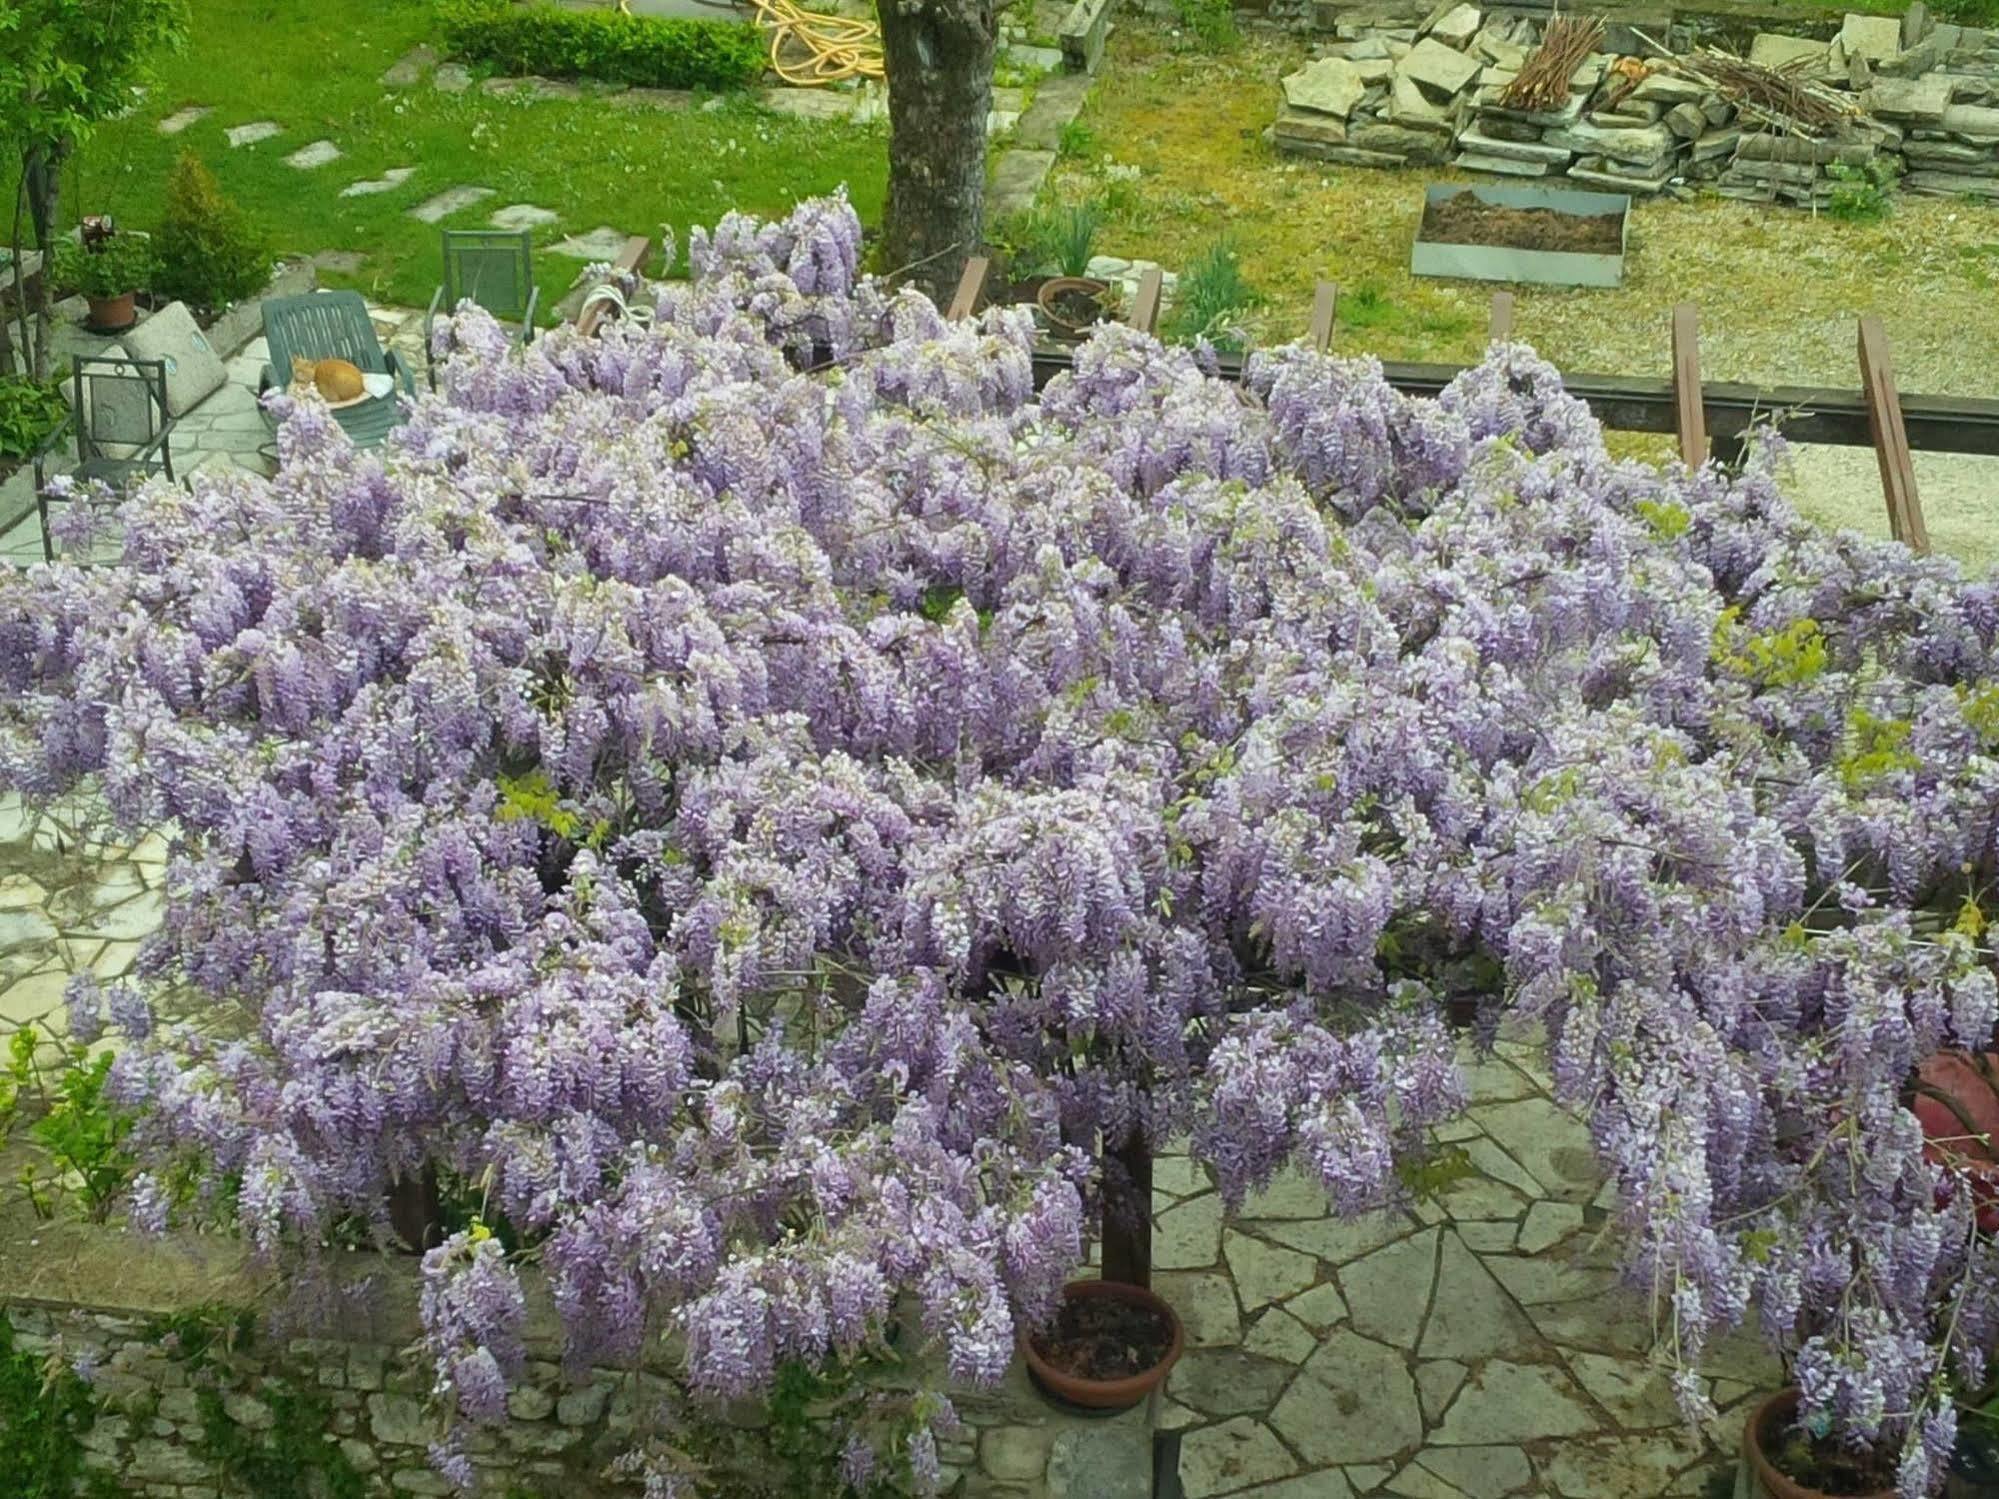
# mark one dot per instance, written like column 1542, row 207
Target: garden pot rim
column 1107, row 1394
column 1780, row 1485
column 1055, row 285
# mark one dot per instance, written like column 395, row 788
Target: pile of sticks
column 1781, row 98
column 1543, row 84
column 1777, row 96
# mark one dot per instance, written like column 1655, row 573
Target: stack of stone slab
column 1398, row 96
column 1425, row 89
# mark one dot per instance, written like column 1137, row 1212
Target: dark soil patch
column 1096, row 1337
column 1075, row 308
column 1831, row 1469
column 1465, row 220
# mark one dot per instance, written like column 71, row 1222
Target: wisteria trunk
column 416, row 1210
column 1128, row 1234
column 939, row 58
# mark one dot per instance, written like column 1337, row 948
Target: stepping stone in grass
column 318, row 154
column 347, row 262
column 522, row 216
column 452, row 78
column 410, row 67
column 180, row 119
column 602, row 243
column 250, row 134
column 448, row 202
column 393, row 178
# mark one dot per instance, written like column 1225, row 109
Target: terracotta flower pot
column 1059, row 286
column 113, row 314
column 1957, row 1103
column 1764, row 1426
column 1106, row 1394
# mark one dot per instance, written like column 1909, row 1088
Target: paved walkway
column 1471, row 1347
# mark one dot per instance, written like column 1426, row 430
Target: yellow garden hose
column 836, row 48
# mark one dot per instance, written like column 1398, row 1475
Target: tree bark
column 43, row 169
column 1128, row 1215
column 938, row 55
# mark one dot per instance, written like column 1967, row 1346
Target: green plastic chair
column 123, row 430
column 335, row 325
column 492, row 267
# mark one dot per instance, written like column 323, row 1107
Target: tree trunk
column 1128, row 1215
column 416, row 1211
column 43, row 167
column 939, row 58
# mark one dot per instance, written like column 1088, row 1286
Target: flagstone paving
column 1471, row 1345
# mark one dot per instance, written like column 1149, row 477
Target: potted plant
column 1787, row 1461
column 1110, row 1345
column 108, row 266
column 1072, row 300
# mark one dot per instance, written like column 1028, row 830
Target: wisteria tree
column 771, row 838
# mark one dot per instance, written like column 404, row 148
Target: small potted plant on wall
column 108, row 266
column 1955, row 1097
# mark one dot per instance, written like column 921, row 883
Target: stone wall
column 1425, row 90
column 112, row 1307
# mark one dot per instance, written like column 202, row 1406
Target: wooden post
column 965, row 300
column 1145, row 306
column 1891, row 437
column 1128, row 1244
column 1501, row 328
column 1690, row 414
column 1325, row 307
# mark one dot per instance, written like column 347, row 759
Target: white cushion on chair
column 194, row 370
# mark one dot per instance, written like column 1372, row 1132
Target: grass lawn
column 315, row 70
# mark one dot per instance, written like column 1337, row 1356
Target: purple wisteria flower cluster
column 763, row 805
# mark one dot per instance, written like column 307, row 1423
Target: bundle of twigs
column 1781, row 98
column 1543, row 83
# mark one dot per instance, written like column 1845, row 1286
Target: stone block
column 583, row 1407
column 1951, row 184
column 1876, row 38
column 1765, row 145
column 1082, row 34
column 1015, row 1454
column 1457, row 26
column 1771, row 49
column 194, row 370
column 400, row 1420
column 1500, row 166
column 1664, row 88
column 1642, row 146
column 1621, row 177
column 1102, row 1460
column 1686, row 121
column 1916, row 24
column 1959, row 119
column 1437, row 69
column 1425, row 146
column 1330, row 86
column 1409, row 105
column 1479, row 143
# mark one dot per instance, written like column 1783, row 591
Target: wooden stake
column 1690, row 415
column 630, row 259
column 1891, row 437
column 1145, row 306
column 1325, row 307
column 1501, row 330
column 965, row 300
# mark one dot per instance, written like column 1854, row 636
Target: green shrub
column 1860, row 194
column 208, row 255
column 1212, row 298
column 1209, row 22
column 29, row 412
column 1968, row 12
column 606, row 45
